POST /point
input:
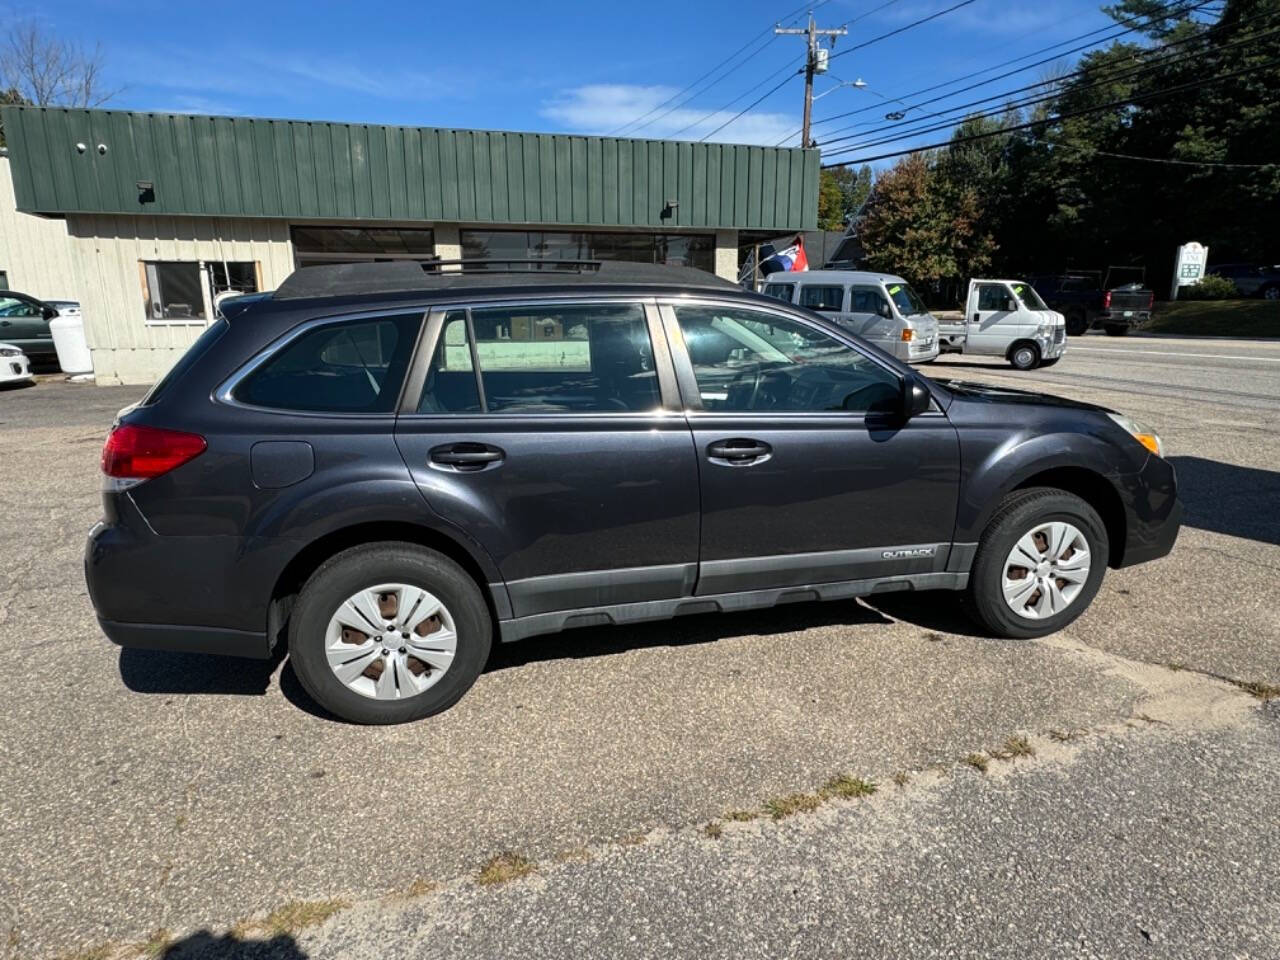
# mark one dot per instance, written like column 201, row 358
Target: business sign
column 1188, row 267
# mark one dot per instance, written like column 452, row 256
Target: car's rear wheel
column 389, row 632
column 1039, row 564
column 1024, row 356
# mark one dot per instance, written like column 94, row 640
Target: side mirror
column 885, row 310
column 916, row 398
column 1011, row 305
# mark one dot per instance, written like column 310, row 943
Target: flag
column 792, row 259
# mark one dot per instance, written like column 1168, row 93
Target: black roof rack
column 403, row 276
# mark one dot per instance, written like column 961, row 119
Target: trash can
column 69, row 342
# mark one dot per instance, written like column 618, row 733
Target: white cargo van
column 879, row 307
column 1006, row 318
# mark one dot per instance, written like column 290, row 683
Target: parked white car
column 14, row 365
column 1006, row 318
column 879, row 307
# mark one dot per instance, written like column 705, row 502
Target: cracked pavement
column 142, row 790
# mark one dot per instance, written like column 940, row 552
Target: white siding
column 34, row 251
column 110, row 250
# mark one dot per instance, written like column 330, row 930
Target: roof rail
column 487, row 264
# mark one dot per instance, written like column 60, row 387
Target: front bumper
column 1051, row 347
column 15, row 369
column 1153, row 513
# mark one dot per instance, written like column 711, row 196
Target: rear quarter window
column 352, row 366
column 198, row 349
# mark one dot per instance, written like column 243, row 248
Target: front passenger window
column 746, row 361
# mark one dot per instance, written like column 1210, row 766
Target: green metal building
column 164, row 212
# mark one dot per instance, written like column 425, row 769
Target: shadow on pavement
column 938, row 610
column 160, row 671
column 207, row 946
column 1225, row 498
column 682, row 631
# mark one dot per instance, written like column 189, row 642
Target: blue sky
column 576, row 67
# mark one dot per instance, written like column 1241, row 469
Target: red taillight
column 1151, row 300
column 137, row 452
column 1106, row 300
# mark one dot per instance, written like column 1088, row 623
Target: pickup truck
column 1086, row 300
column 1006, row 318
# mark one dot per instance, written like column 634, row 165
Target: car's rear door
column 807, row 473
column 549, row 432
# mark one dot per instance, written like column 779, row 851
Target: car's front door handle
column 466, row 456
column 739, row 450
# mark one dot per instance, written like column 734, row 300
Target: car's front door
column 808, row 472
column 23, row 323
column 991, row 324
column 550, row 434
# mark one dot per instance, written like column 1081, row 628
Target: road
column 143, row 791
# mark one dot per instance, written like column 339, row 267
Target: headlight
column 9, row 352
column 1140, row 432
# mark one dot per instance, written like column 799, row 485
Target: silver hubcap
column 1024, row 357
column 1046, row 570
column 390, row 641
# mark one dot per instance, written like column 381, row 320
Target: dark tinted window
column 830, row 299
column 993, row 296
column 868, row 300
column 780, row 291
column 747, row 361
column 354, row 366
column 186, row 361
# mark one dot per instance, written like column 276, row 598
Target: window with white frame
column 183, row 291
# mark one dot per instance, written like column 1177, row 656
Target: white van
column 1007, row 318
column 879, row 307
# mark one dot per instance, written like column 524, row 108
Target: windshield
column 1027, row 294
column 907, row 300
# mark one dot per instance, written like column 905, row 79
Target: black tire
column 1077, row 324
column 358, row 568
column 1020, row 512
column 1049, row 363
column 1117, row 329
column 1024, row 355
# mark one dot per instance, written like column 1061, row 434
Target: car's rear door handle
column 738, row 450
column 466, row 456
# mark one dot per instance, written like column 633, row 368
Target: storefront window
column 547, row 247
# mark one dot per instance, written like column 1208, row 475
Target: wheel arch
column 1094, row 489
column 309, row 559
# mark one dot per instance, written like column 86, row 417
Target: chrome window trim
column 224, row 392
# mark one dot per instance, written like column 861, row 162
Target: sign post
column 1188, row 267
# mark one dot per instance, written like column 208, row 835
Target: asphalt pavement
column 143, row 791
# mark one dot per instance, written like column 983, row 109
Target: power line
column 902, row 29
column 751, row 105
column 1058, row 118
column 1101, row 80
column 1167, row 160
column 1120, row 27
column 767, row 34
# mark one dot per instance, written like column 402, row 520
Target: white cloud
column 602, row 108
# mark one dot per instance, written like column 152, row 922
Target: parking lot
column 145, row 791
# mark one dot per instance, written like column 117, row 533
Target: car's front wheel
column 1039, row 563
column 1024, row 356
column 389, row 632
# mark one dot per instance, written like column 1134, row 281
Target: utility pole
column 815, row 62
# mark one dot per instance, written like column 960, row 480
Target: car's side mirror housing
column 1011, row 305
column 916, row 398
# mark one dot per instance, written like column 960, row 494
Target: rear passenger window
column 354, row 366
column 830, row 299
column 780, row 291
column 544, row 359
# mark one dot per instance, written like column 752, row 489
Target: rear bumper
column 179, row 639
column 1135, row 318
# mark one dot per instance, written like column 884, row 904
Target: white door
column 993, row 320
